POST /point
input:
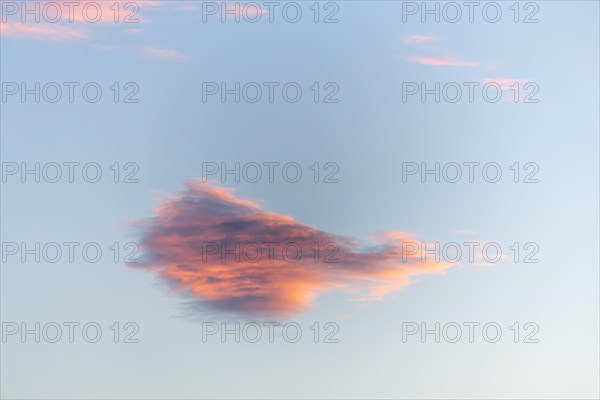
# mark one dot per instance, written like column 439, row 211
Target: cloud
column 165, row 54
column 221, row 251
column 40, row 31
column 72, row 20
column 419, row 39
column 187, row 7
column 504, row 83
column 442, row 61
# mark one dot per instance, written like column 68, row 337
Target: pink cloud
column 165, row 54
column 41, row 31
column 419, row 39
column 87, row 11
column 442, row 61
column 187, row 7
column 76, row 19
column 504, row 83
column 195, row 238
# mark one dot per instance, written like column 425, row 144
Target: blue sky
column 369, row 133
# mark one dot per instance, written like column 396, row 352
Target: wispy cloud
column 419, row 39
column 103, row 47
column 187, row 7
column 41, row 31
column 77, row 19
column 442, row 61
column 175, row 246
column 165, row 54
column 504, row 83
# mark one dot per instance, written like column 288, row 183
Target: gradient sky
column 369, row 133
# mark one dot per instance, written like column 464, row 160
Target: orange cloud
column 228, row 253
column 165, row 54
column 442, row 61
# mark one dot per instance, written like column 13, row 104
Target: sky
column 346, row 199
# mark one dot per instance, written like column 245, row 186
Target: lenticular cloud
column 229, row 254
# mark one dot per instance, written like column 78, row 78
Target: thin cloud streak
column 76, row 20
column 504, row 83
column 164, row 54
column 40, row 31
column 419, row 39
column 442, row 61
